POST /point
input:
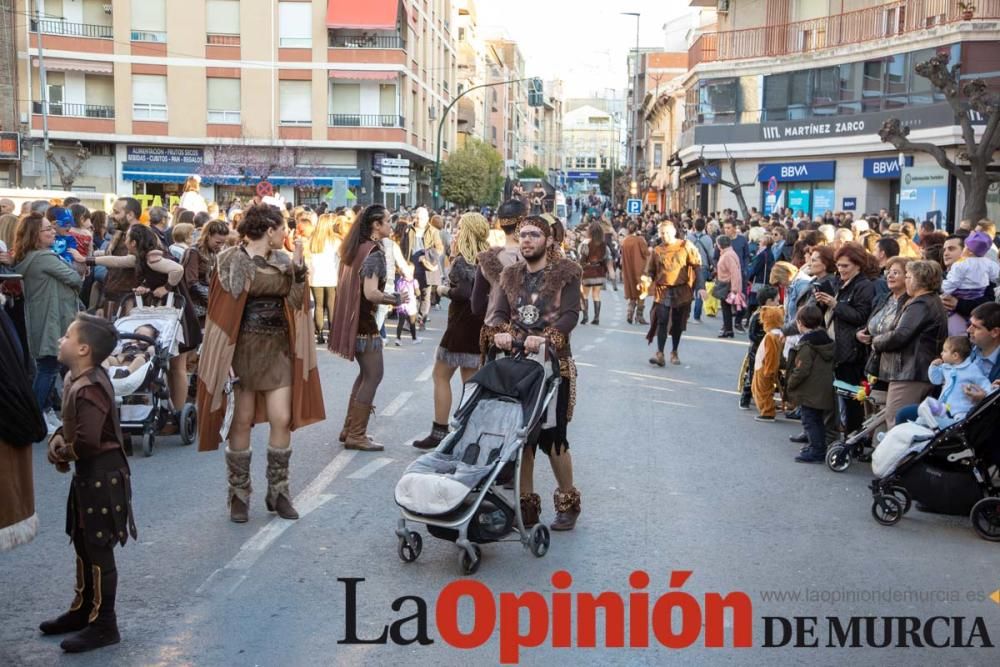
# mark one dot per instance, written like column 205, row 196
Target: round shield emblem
column 529, row 314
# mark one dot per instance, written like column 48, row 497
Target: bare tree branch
column 894, row 133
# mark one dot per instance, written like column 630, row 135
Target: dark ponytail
column 361, row 231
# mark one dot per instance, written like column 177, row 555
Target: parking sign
column 633, row 206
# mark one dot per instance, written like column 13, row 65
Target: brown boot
column 630, row 311
column 357, row 435
column 347, row 424
column 638, row 313
column 531, row 508
column 238, row 468
column 674, row 359
column 278, row 497
column 567, row 509
column 658, row 360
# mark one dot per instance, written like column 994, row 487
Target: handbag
column 721, row 289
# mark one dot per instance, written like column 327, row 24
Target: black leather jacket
column 908, row 350
column 851, row 313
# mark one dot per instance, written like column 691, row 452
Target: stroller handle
column 172, row 300
column 517, row 352
column 138, row 337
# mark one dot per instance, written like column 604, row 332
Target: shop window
column 224, row 101
column 295, row 102
column 295, row 24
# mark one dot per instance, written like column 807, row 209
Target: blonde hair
column 473, row 236
column 192, row 184
column 325, row 232
column 181, row 233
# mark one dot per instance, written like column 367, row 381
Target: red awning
column 366, row 15
column 364, row 75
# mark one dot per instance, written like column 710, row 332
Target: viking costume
column 98, row 511
column 489, row 265
column 635, row 254
column 674, row 268
column 547, row 304
column 259, row 325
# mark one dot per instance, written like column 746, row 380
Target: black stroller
column 457, row 489
column 952, row 471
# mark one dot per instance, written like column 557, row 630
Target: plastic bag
column 711, row 305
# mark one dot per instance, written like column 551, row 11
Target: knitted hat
column 978, row 243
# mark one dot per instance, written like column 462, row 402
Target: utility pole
column 43, row 84
column 635, row 90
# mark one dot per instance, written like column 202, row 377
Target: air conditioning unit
column 722, row 7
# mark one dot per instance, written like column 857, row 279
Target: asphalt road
column 673, row 477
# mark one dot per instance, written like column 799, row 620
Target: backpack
column 700, row 239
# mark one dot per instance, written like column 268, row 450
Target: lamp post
column 635, row 90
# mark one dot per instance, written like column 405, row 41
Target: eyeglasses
column 530, row 235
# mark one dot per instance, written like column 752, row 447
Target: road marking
column 651, row 377
column 702, row 339
column 722, row 391
column 682, row 405
column 649, row 386
column 370, row 468
column 581, row 363
column 587, row 348
column 425, row 374
column 397, row 404
column 599, row 340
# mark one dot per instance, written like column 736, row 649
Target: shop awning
column 317, row 177
column 69, row 65
column 368, row 15
column 364, row 74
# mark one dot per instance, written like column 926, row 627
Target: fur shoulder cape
column 557, row 275
column 490, row 264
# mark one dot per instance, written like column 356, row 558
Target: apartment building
column 473, row 108
column 796, row 91
column 307, row 95
column 550, row 155
column 590, row 144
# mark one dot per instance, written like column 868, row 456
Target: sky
column 583, row 42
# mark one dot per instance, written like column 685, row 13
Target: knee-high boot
column 77, row 617
column 278, row 497
column 586, row 308
column 357, row 436
column 103, row 628
column 630, row 311
column 238, row 472
column 640, row 306
column 597, row 313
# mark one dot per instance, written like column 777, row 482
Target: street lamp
column 635, row 89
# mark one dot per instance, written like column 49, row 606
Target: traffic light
column 633, row 188
column 536, row 95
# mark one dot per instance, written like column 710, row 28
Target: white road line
column 425, row 374
column 581, row 363
column 587, row 348
column 370, row 468
column 682, row 405
column 599, row 340
column 649, row 386
column 701, row 339
column 722, row 391
column 651, row 377
column 397, row 404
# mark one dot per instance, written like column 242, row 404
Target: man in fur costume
column 635, row 254
column 767, row 362
column 538, row 303
column 491, row 264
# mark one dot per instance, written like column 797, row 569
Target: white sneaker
column 416, row 341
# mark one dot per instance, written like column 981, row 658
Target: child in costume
column 99, row 509
column 406, row 286
column 767, row 296
column 767, row 362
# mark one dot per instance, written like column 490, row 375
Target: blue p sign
column 633, row 206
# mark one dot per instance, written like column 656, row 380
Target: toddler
column 406, row 311
column 132, row 355
column 955, row 370
column 810, row 380
column 969, row 277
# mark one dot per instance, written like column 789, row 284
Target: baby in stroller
column 955, row 370
column 133, row 355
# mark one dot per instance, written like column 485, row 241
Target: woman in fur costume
column 259, row 325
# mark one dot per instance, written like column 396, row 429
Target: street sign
column 772, row 185
column 395, row 171
column 395, row 162
column 398, row 189
column 633, row 206
column 395, row 180
column 10, row 146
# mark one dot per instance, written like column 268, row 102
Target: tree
column 733, row 184
column 532, row 171
column 473, row 175
column 69, row 171
column 604, row 181
column 972, row 97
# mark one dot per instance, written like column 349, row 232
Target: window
column 581, row 163
column 850, row 88
column 718, row 101
column 895, row 81
column 776, row 97
column 149, row 21
column 55, row 83
column 224, row 101
column 871, row 91
column 222, row 17
column 799, row 94
column 657, row 156
column 295, row 102
column 387, row 103
column 345, row 98
column 591, row 163
column 295, row 24
column 149, row 97
column 569, row 163
column 826, row 91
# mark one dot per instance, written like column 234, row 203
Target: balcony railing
column 149, row 36
column 364, row 120
column 338, row 41
column 74, row 110
column 863, row 25
column 219, row 39
column 58, row 27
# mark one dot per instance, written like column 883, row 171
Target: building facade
column 307, row 95
column 796, row 91
column 591, row 144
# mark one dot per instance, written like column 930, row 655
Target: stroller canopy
column 518, row 379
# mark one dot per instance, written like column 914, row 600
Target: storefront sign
column 850, row 204
column 581, row 175
column 165, row 155
column 923, row 194
column 885, row 167
column 710, row 175
column 10, row 146
column 798, row 171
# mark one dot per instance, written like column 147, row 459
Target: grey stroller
column 457, row 489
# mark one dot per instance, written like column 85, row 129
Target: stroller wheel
column 147, row 443
column 539, row 540
column 410, row 548
column 838, row 459
column 985, row 516
column 470, row 564
column 188, row 424
column 887, row 510
column 902, row 495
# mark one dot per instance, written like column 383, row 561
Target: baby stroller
column 457, row 489
column 143, row 396
column 859, row 444
column 950, row 470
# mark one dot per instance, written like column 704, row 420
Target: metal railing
column 863, row 25
column 341, row 41
column 73, row 109
column 364, row 120
column 59, row 27
column 219, row 39
column 149, row 36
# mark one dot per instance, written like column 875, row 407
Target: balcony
column 74, row 110
column 364, row 120
column 67, row 29
column 827, row 32
column 338, row 40
column 219, row 39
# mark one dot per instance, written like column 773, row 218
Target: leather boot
column 630, row 311
column 347, row 423
column 586, row 308
column 597, row 313
column 567, row 509
column 238, row 469
column 357, row 435
column 638, row 313
column 438, row 433
column 531, row 508
column 79, row 611
column 658, row 360
column 278, row 498
column 103, row 628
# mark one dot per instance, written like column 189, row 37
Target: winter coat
column 849, row 314
column 727, row 269
column 910, row 347
column 952, row 378
column 810, row 375
column 51, row 289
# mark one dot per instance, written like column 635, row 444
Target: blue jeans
column 812, row 424
column 47, row 370
column 698, row 303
